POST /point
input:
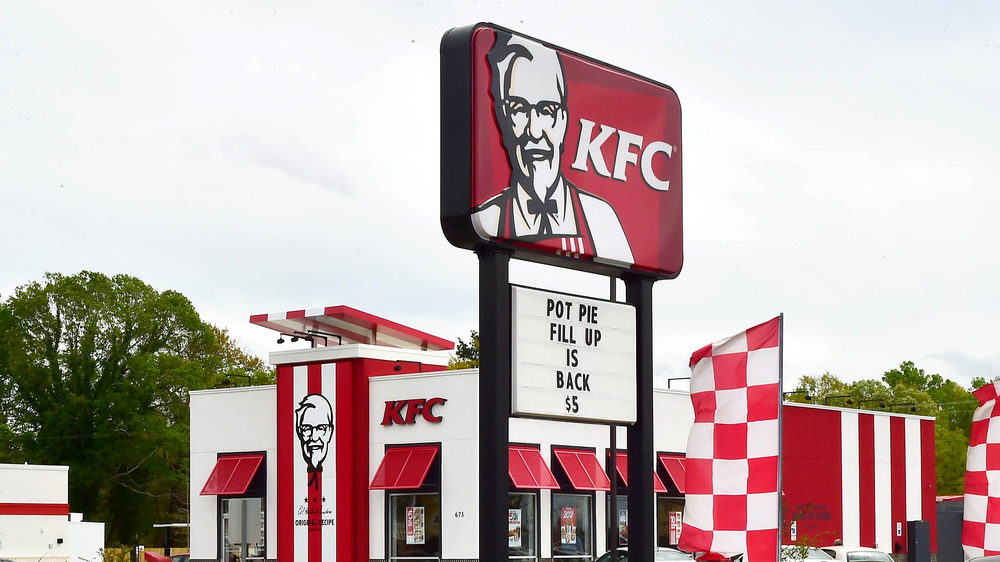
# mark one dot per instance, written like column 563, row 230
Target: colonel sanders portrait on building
column 539, row 205
column 314, row 428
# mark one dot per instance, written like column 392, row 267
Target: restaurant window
column 243, row 529
column 620, row 517
column 522, row 528
column 669, row 512
column 415, row 521
column 572, row 528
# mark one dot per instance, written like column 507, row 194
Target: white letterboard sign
column 573, row 357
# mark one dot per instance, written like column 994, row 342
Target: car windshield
column 803, row 553
column 868, row 556
column 665, row 554
column 671, row 555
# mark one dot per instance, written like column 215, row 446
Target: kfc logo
column 571, row 162
column 314, row 428
column 394, row 411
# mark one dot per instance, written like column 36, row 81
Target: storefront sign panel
column 574, row 357
column 558, row 157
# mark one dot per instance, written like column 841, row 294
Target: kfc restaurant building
column 367, row 449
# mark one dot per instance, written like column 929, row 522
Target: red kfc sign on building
column 557, row 157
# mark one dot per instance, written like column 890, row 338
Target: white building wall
column 43, row 537
column 884, row 530
column 914, row 471
column 236, row 420
column 85, row 539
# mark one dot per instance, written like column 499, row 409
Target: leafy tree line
column 94, row 374
column 909, row 389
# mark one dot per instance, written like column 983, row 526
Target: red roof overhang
column 583, row 469
column 404, row 467
column 354, row 326
column 621, row 465
column 675, row 468
column 528, row 470
column 232, row 475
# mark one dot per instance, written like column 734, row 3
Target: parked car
column 185, row 557
column 791, row 553
column 991, row 558
column 856, row 554
column 659, row 555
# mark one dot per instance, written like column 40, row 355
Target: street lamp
column 881, row 402
column 912, row 405
column 784, row 395
column 826, row 400
column 226, row 383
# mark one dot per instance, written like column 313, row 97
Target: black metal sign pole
column 494, row 402
column 641, row 497
column 613, row 445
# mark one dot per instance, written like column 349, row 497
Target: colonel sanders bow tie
column 544, row 210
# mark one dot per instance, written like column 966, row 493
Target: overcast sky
column 841, row 164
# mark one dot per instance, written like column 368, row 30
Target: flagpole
column 781, row 417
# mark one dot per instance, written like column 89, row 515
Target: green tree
column 821, row 387
column 466, row 353
column 98, row 371
column 231, row 359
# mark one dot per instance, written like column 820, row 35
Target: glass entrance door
column 243, row 530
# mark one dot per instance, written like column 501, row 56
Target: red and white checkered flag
column 733, row 465
column 981, row 529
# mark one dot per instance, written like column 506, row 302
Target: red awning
column 528, row 470
column 232, row 475
column 583, row 469
column 621, row 464
column 404, row 467
column 675, row 468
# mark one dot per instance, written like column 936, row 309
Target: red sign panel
column 557, row 157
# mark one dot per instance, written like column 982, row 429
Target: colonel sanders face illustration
column 529, row 93
column 539, row 205
column 314, row 426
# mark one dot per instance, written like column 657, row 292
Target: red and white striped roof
column 353, row 325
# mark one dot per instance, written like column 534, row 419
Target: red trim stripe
column 347, row 462
column 866, row 481
column 34, row 509
column 928, row 478
column 286, row 457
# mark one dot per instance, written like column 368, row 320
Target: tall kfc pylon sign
column 550, row 156
column 558, row 158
